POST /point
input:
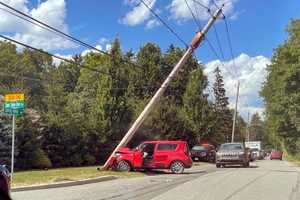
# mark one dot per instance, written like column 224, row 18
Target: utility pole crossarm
column 149, row 107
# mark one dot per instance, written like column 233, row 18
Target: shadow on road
column 162, row 172
column 238, row 166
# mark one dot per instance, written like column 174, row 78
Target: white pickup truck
column 255, row 148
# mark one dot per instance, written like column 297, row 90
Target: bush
column 89, row 159
column 40, row 160
column 75, row 160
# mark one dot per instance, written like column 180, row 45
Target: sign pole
column 12, row 148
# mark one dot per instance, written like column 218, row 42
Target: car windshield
column 198, row 148
column 231, row 147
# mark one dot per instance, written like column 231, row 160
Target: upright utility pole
column 193, row 46
column 248, row 127
column 235, row 111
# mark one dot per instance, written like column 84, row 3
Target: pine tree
column 223, row 113
column 256, row 128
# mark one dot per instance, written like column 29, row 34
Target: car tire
column 123, row 166
column 218, row 165
column 177, row 167
column 247, row 164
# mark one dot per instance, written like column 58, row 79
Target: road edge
column 64, row 184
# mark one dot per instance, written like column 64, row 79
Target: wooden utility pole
column 193, row 46
column 235, row 111
column 248, row 128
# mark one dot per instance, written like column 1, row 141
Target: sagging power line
column 56, row 31
column 53, row 55
column 164, row 23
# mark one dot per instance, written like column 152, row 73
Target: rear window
column 198, row 148
column 168, row 147
column 231, row 147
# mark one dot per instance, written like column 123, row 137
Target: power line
column 210, row 45
column 53, row 55
column 164, row 23
column 230, row 44
column 202, row 5
column 219, row 42
column 57, row 31
column 24, row 77
column 193, row 15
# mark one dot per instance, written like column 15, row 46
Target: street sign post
column 14, row 105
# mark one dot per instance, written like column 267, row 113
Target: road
column 264, row 180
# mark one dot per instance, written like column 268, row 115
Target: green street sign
column 16, row 112
column 14, row 105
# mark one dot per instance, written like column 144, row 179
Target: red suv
column 276, row 155
column 173, row 155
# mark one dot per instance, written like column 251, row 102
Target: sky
column 256, row 28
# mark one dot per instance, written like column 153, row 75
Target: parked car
column 173, row 155
column 232, row 154
column 276, row 155
column 4, row 179
column 204, row 152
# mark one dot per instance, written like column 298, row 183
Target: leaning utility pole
column 194, row 45
column 235, row 111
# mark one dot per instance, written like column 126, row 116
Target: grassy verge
column 38, row 177
column 294, row 159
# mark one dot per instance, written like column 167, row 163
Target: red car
column 276, row 155
column 4, row 182
column 173, row 155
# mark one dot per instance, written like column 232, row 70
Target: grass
column 38, row 177
column 294, row 159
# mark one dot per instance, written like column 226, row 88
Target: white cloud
column 179, row 10
column 52, row 12
column 139, row 14
column 108, row 47
column 250, row 71
column 87, row 51
column 152, row 23
column 57, row 61
column 104, row 45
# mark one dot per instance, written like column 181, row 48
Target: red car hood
column 124, row 150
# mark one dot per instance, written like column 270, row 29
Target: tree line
column 281, row 93
column 75, row 116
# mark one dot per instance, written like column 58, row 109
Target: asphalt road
column 264, row 180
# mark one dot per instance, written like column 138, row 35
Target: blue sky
column 256, row 28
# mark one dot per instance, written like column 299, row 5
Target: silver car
column 232, row 154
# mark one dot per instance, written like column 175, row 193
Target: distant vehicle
column 262, row 155
column 255, row 148
column 232, row 154
column 204, row 152
column 254, row 154
column 4, row 179
column 253, row 145
column 276, row 155
column 173, row 155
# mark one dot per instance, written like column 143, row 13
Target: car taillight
column 187, row 150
